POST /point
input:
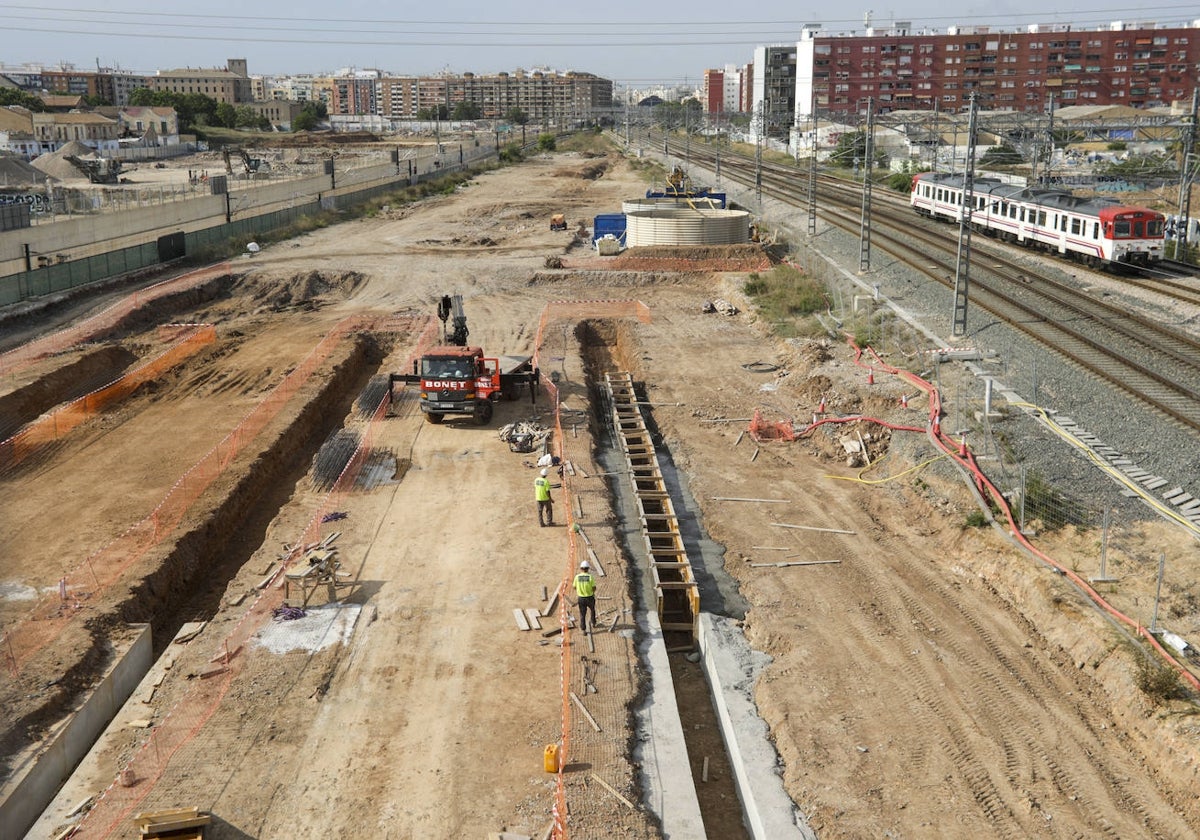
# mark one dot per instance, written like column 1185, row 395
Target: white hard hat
column 544, row 473
column 584, row 565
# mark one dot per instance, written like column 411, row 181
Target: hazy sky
column 638, row 44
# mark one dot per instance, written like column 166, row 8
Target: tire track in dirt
column 1012, row 682
column 937, row 720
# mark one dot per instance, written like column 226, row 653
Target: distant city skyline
column 669, row 43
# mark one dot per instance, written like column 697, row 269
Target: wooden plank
column 612, row 628
column 783, row 563
column 704, row 771
column 741, row 435
column 531, row 615
column 595, row 561
column 813, row 528
column 586, row 713
column 764, row 501
column 583, row 535
column 550, row 607
column 189, row 631
column 522, row 623
column 613, row 791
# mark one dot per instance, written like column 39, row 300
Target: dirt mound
column 306, row 289
column 56, row 165
column 590, row 171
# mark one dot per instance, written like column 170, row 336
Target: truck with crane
column 455, row 378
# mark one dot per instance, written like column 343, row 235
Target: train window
column 1154, row 228
column 1138, row 230
column 1095, row 230
column 1076, row 227
column 1041, row 218
column 1121, row 229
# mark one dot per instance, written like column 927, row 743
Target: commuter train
column 1096, row 231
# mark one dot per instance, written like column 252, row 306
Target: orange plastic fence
column 571, row 310
column 25, row 355
column 103, row 567
column 189, row 715
column 57, row 424
column 763, row 430
column 194, row 710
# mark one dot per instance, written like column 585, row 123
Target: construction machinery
column 98, row 170
column 249, row 165
column 458, row 379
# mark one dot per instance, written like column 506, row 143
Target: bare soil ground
column 934, row 682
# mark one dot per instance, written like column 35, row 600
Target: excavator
column 249, row 165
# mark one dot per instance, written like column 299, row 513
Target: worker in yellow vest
column 541, row 494
column 585, row 590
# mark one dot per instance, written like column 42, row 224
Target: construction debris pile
column 524, row 435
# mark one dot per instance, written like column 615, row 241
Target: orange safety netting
column 25, row 355
column 763, row 430
column 103, row 567
column 57, row 424
column 188, row 716
column 571, row 310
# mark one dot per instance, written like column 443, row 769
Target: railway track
column 1151, row 362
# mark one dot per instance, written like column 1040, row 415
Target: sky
column 635, row 44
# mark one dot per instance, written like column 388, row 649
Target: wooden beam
column 765, row 501
column 813, row 528
column 586, row 713
column 522, row 623
column 531, row 615
column 783, row 563
column 613, row 791
column 595, row 561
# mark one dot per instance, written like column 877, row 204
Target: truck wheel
column 483, row 413
column 435, row 418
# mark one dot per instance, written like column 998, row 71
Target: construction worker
column 585, row 589
column 541, row 493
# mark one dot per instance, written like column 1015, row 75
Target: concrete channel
column 674, row 556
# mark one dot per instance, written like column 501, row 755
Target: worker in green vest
column 585, row 589
column 541, row 493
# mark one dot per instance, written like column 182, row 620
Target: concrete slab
column 732, row 668
column 661, row 751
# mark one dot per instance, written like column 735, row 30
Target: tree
column 516, row 116
column 310, row 116
column 439, row 112
column 545, row 143
column 1002, row 155
column 12, row 96
column 851, row 149
column 225, row 116
column 467, row 111
column 247, row 117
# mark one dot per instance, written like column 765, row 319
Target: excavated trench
column 607, row 346
column 185, row 580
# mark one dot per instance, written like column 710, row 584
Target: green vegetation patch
column 786, row 296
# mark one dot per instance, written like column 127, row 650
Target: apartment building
column 774, row 90
column 1139, row 65
column 546, row 97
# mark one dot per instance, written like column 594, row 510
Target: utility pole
column 812, row 176
column 758, row 136
column 864, row 230
column 1187, row 174
column 962, row 265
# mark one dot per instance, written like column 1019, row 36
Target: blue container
column 605, row 223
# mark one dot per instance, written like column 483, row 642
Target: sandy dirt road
column 932, row 682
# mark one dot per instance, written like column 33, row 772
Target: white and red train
column 1096, row 231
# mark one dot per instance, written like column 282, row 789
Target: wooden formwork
column 677, row 595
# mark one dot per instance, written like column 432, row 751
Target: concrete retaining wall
column 33, row 785
column 732, row 668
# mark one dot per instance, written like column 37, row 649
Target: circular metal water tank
column 633, row 205
column 686, row 226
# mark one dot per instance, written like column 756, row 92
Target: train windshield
column 1122, row 229
column 1154, row 228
